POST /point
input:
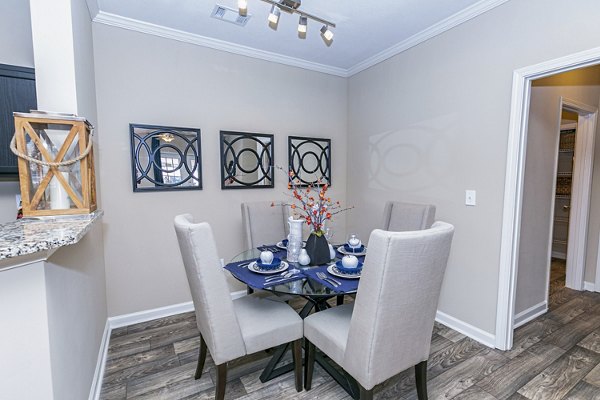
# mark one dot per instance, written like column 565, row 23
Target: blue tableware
column 284, row 242
column 349, row 271
column 267, row 267
column 354, row 250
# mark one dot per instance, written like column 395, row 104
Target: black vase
column 317, row 249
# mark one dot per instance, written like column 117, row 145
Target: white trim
column 446, row 24
column 531, row 313
column 437, row 29
column 93, row 9
column 559, row 254
column 120, row 321
column 581, row 190
column 199, row 40
column 589, row 286
column 513, row 187
column 469, row 330
column 597, row 283
column 100, row 364
column 161, row 312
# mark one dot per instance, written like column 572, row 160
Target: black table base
column 271, row 371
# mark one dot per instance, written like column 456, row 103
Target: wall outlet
column 470, row 197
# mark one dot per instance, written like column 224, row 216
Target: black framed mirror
column 165, row 158
column 309, row 159
column 246, row 160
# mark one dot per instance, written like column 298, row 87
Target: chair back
column 401, row 217
column 215, row 315
column 396, row 302
column 263, row 223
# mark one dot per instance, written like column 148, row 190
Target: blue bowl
column 267, row 267
column 355, row 250
column 284, row 242
column 349, row 271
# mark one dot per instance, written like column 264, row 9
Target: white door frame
column 581, row 190
column 513, row 185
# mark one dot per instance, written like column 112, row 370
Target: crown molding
column 460, row 17
column 186, row 37
column 93, row 8
column 434, row 30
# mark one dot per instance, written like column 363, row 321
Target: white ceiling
column 367, row 32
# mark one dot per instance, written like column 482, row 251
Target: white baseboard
column 101, row 363
column 531, row 313
column 589, row 286
column 135, row 318
column 469, row 330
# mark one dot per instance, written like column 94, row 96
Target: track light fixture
column 243, row 7
column 274, row 15
column 302, row 24
column 291, row 7
column 326, row 32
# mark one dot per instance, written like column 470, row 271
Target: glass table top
column 305, row 287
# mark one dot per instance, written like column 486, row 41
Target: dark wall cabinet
column 17, row 93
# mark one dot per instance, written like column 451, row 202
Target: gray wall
column 16, row 48
column 542, row 139
column 433, row 121
column 151, row 80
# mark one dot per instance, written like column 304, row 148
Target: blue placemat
column 347, row 285
column 252, row 279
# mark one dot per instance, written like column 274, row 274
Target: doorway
column 514, row 187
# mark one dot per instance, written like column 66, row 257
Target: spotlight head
column 302, row 24
column 327, row 33
column 243, row 7
column 274, row 15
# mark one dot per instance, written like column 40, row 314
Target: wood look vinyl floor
column 556, row 356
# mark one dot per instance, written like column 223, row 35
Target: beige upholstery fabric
column 264, row 224
column 265, row 323
column 332, row 340
column 391, row 324
column 230, row 329
column 401, row 217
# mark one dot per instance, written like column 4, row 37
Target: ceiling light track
column 292, row 7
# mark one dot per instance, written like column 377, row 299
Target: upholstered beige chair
column 230, row 328
column 264, row 224
column 401, row 217
column 388, row 328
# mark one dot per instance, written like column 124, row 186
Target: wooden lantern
column 56, row 164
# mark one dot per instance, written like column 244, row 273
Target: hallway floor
column 556, row 356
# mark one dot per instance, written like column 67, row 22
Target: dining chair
column 263, row 223
column 400, row 217
column 230, row 329
column 388, row 328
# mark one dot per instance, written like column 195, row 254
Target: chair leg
column 201, row 358
column 297, row 356
column 309, row 364
column 366, row 394
column 421, row 378
column 221, row 381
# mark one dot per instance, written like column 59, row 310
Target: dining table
column 314, row 283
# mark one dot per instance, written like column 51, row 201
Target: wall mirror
column 246, row 160
column 165, row 158
column 309, row 159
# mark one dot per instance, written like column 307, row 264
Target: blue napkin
column 255, row 280
column 347, row 285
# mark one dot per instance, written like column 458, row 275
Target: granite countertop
column 31, row 235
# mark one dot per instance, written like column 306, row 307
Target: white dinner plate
column 255, row 268
column 281, row 246
column 342, row 250
column 332, row 269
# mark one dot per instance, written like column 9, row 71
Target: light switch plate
column 470, row 197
